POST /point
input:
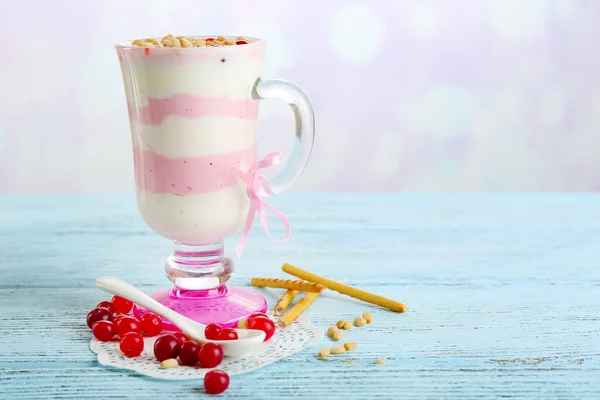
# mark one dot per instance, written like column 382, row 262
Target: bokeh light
column 280, row 55
column 388, row 150
column 425, row 19
column 518, row 19
column 446, row 111
column 357, row 33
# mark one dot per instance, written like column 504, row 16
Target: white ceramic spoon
column 248, row 339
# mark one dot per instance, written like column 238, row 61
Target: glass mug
column 194, row 117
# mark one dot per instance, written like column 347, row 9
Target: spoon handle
column 119, row 287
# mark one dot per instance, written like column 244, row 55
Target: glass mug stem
column 198, row 267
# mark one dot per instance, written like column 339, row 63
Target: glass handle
column 305, row 129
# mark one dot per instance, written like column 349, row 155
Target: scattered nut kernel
column 221, row 38
column 185, row 43
column 381, row 361
column 350, row 345
column 337, row 335
column 170, row 41
column 340, row 324
column 332, row 330
column 169, row 363
column 138, row 42
column 324, row 352
column 348, row 325
column 241, row 38
column 360, row 321
column 337, row 350
column 152, row 40
column 368, row 317
column 242, row 324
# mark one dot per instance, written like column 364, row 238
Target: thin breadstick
column 298, row 309
column 284, row 302
column 287, row 284
column 345, row 289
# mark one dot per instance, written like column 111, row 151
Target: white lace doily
column 296, row 337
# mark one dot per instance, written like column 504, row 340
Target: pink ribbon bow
column 258, row 190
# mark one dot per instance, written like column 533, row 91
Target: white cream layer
column 198, row 219
column 178, row 137
column 233, row 78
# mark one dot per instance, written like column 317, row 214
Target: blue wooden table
column 503, row 292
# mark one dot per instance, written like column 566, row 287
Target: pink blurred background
column 410, row 95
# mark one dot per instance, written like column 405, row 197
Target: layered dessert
column 192, row 119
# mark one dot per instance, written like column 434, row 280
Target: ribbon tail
column 278, row 214
column 263, row 217
column 258, row 188
column 246, row 231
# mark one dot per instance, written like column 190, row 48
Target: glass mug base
column 224, row 305
column 199, row 274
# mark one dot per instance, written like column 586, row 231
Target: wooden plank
column 503, row 339
column 458, row 239
column 503, row 295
